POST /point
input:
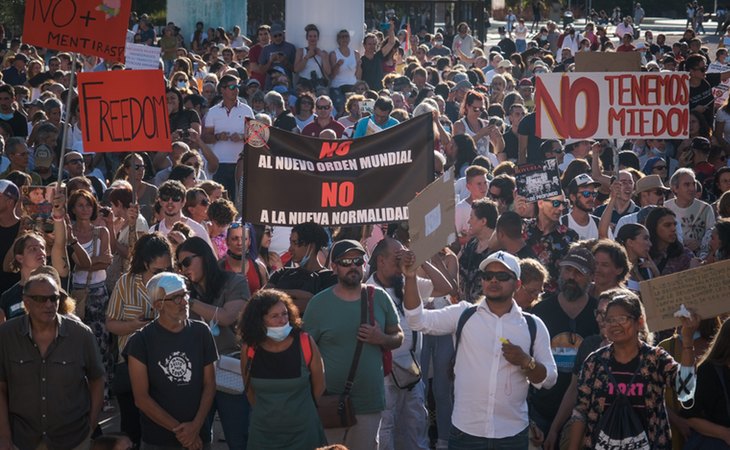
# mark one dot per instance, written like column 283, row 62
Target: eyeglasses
column 75, row 161
column 559, row 203
column 268, row 230
column 167, row 198
column 204, row 202
column 620, row 320
column 347, row 262
column 588, row 194
column 500, row 276
column 232, row 87
column 161, row 269
column 185, row 263
column 477, row 108
column 178, row 299
column 323, row 106
column 44, row 298
column 598, row 314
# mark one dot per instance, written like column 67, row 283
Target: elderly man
column 324, row 119
column 51, row 375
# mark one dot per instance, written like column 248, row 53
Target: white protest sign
column 610, row 105
column 141, row 57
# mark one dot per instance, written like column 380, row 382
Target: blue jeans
column 233, row 411
column 458, row 440
column 439, row 350
column 226, row 175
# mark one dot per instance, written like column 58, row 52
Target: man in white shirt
column 477, row 185
column 225, row 130
column 171, row 196
column 582, row 192
column 695, row 215
column 493, row 369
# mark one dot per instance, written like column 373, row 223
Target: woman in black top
column 180, row 119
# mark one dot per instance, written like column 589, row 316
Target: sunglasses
column 204, row 202
column 235, row 225
column 500, row 276
column 559, row 203
column 347, row 262
column 185, row 263
column 477, row 108
column 161, row 269
column 44, row 298
column 232, row 87
column 323, row 106
column 167, row 198
column 701, row 69
column 178, row 299
column 588, row 194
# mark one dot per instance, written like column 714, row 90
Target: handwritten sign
column 612, row 105
column 705, row 289
column 608, row 62
column 141, row 57
column 428, row 223
column 124, row 111
column 538, row 181
column 91, row 27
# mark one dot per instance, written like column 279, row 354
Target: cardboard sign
column 291, row 179
column 124, row 111
column 705, row 289
column 141, row 57
column 91, row 27
column 608, row 62
column 538, row 181
column 612, row 105
column 431, row 218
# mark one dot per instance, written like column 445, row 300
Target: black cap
column 339, row 248
column 701, row 143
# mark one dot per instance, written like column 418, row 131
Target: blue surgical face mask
column 278, row 334
column 304, row 260
column 181, row 85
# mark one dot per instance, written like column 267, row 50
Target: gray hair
column 275, row 99
column 677, row 176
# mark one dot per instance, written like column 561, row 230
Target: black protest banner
column 291, row 179
column 538, row 181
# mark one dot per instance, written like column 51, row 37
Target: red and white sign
column 605, row 105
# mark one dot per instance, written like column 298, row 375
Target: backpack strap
column 306, row 347
column 532, row 326
column 564, row 220
column 465, row 315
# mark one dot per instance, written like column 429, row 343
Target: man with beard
column 582, row 192
column 333, row 319
column 500, row 353
column 569, row 316
column 404, row 423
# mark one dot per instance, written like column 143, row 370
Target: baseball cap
column 459, row 77
column 575, row 141
column 525, row 82
column 504, row 64
column 649, row 183
column 10, row 189
column 276, row 29
column 581, row 180
column 278, row 69
column 21, row 57
column 401, row 82
column 339, row 248
column 164, row 285
column 580, row 258
column 464, row 84
column 508, row 260
column 701, row 143
column 43, row 156
column 252, row 81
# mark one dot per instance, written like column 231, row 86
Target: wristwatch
column 530, row 366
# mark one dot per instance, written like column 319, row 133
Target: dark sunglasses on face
column 588, row 194
column 44, row 298
column 185, row 263
column 232, row 87
column 323, row 106
column 167, row 198
column 204, row 202
column 500, row 276
column 347, row 262
column 559, row 203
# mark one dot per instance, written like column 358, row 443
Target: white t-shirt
column 589, row 231
column 197, row 228
column 696, row 219
column 462, row 212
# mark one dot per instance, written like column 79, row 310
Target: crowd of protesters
column 144, row 277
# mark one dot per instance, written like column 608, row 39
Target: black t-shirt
column 710, row 401
column 182, row 120
column 702, row 96
column 511, row 144
column 566, row 336
column 285, row 121
column 7, row 236
column 372, row 70
column 18, row 123
column 527, row 128
column 508, row 47
column 633, row 387
column 298, row 278
column 175, row 363
column 11, row 302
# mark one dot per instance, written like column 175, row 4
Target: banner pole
column 243, row 220
column 65, row 129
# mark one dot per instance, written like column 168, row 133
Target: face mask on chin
column 278, row 334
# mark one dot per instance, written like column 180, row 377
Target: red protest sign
column 124, row 111
column 91, row 27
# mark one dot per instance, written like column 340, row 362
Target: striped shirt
column 128, row 301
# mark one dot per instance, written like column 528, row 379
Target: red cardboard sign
column 124, row 111
column 90, row 27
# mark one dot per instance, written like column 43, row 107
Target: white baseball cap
column 508, row 260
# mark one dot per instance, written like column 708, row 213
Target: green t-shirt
column 333, row 323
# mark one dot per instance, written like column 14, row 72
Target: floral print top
column 550, row 248
column 470, row 284
column 658, row 370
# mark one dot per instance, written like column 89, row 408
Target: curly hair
column 222, row 211
column 251, row 326
column 312, row 233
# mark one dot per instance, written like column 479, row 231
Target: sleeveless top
column 482, row 144
column 346, row 73
column 311, row 66
column 97, row 276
